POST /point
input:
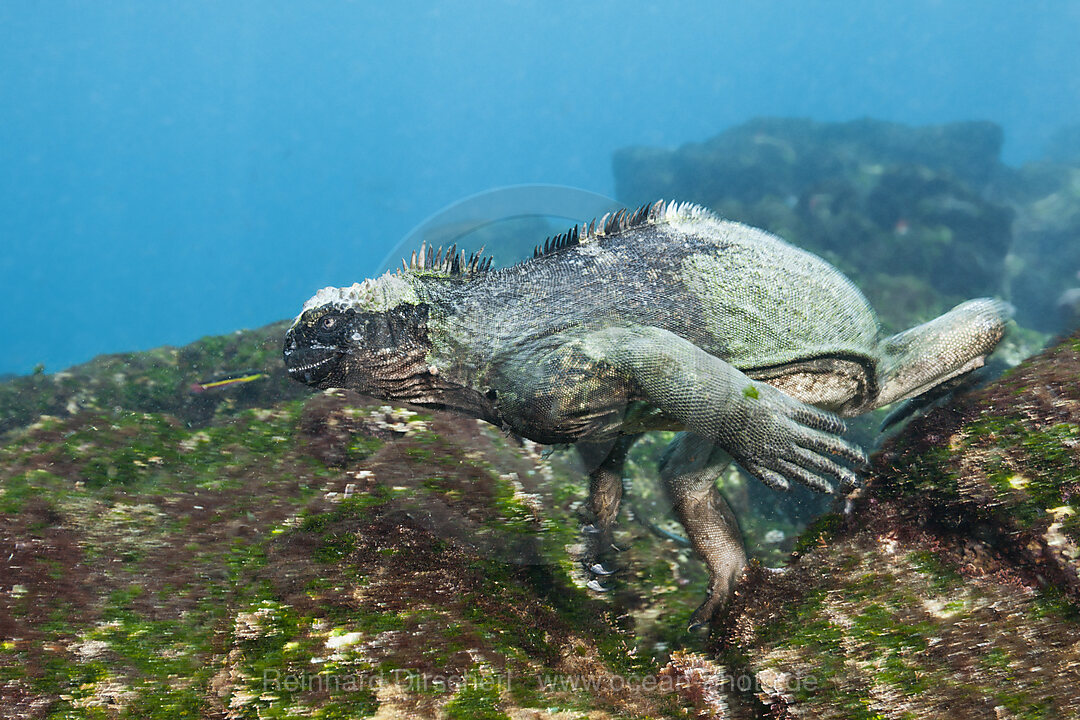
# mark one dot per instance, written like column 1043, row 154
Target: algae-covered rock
column 161, row 380
column 331, row 556
column 326, row 557
column 883, row 620
column 949, row 587
column 1002, row 464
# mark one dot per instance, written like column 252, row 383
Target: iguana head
column 370, row 336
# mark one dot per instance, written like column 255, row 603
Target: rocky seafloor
column 269, row 555
column 330, row 556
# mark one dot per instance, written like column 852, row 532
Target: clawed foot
column 721, row 589
column 720, row 593
column 701, row 619
column 782, row 439
column 596, row 560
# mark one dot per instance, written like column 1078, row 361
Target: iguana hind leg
column 688, row 470
column 926, row 355
column 604, row 461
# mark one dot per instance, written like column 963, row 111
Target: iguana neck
column 444, row 371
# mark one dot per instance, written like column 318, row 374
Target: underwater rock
column 919, row 217
column 783, row 156
column 329, row 556
column 868, row 195
column 950, row 585
column 333, row 556
column 1002, row 464
column 165, row 379
column 1045, row 257
column 1064, row 146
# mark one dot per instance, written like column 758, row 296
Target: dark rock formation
column 333, row 557
column 320, row 557
column 949, row 587
column 902, row 209
column 920, row 217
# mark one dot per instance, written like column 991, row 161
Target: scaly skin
column 669, row 318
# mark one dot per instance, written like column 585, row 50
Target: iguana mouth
column 311, row 365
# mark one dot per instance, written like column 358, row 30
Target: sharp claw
column 850, row 481
column 703, row 616
column 595, row 586
column 590, row 529
column 598, row 569
column 831, row 445
column 701, row 620
column 821, row 466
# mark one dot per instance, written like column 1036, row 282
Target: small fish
column 222, row 381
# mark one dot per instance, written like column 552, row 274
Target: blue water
column 170, row 170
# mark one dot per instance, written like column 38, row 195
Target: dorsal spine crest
column 454, row 262
column 620, row 221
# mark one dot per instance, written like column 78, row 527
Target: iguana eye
column 328, row 322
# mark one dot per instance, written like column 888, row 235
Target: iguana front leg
column 689, row 468
column 770, row 434
column 604, row 461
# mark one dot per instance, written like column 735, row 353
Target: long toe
column 820, row 464
column 770, row 477
column 806, row 477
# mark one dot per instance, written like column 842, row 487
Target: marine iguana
column 665, row 318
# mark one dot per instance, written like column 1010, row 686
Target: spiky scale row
column 567, row 239
column 454, row 262
column 610, row 224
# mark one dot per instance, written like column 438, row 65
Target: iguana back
column 735, row 291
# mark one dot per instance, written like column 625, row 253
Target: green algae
column 1052, row 602
column 158, row 381
column 857, row 628
column 478, row 699
column 190, row 526
column 158, row 652
column 19, row 489
column 875, row 627
column 820, row 531
column 336, row 529
column 942, row 575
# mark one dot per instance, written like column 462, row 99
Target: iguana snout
column 372, row 352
